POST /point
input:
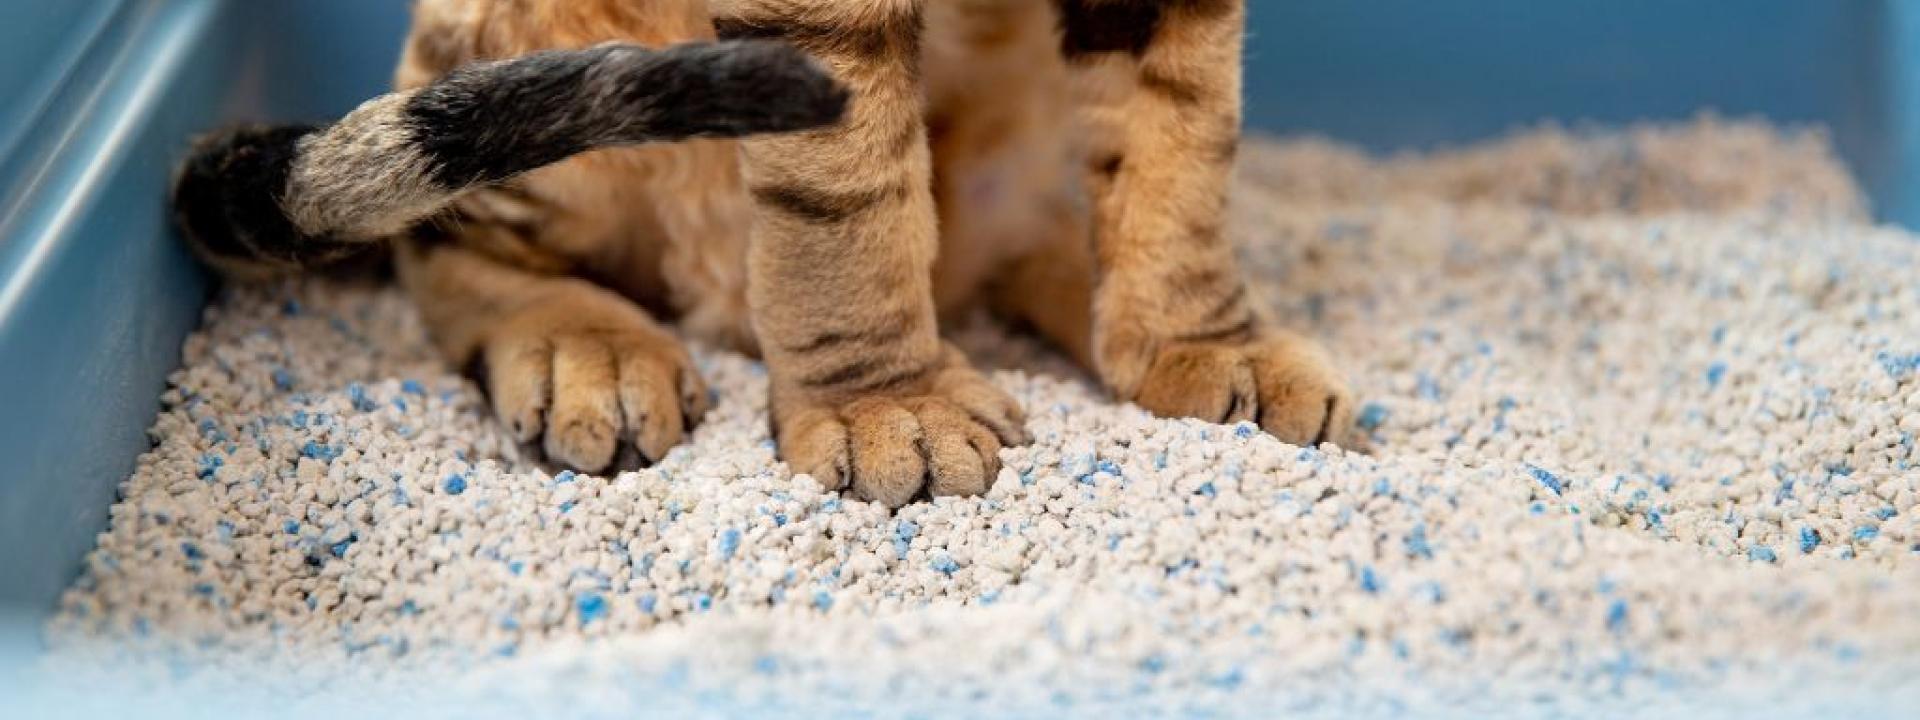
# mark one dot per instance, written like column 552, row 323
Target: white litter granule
column 1639, row 417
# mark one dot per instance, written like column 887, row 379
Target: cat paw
column 940, row 437
column 1285, row 384
column 580, row 373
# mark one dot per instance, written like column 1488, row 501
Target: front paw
column 940, row 435
column 580, row 373
column 1284, row 383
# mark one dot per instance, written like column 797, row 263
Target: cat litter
column 1637, row 436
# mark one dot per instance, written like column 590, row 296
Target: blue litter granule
column 1762, row 553
column 1808, row 540
column 703, row 602
column 290, row 308
column 1108, row 467
column 1372, row 416
column 1242, row 430
column 944, row 564
column 291, row 527
column 413, row 387
column 647, row 603
column 1617, row 616
column 1229, row 680
column 282, row 379
column 400, row 403
column 1154, row 664
column 1716, row 373
column 822, row 600
column 729, row 543
column 357, row 395
column 203, row 589
column 454, row 484
column 516, row 567
column 1898, row 365
column 339, row 549
column 224, row 529
column 989, row 597
column 766, row 665
column 906, row 530
column 592, row 606
column 209, row 464
column 830, row 505
column 565, row 476
column 318, row 451
column 1427, row 388
column 1417, row 542
column 1546, row 479
column 1369, row 580
column 1866, row 533
column 192, row 551
column 1206, row 489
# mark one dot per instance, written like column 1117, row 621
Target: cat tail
column 257, row 200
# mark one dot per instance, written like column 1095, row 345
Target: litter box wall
column 98, row 96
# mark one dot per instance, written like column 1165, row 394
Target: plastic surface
column 96, row 294
column 97, row 97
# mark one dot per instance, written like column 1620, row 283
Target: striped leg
column 1173, row 327
column 864, row 392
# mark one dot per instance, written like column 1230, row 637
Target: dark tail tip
column 748, row 87
column 226, row 201
column 797, row 92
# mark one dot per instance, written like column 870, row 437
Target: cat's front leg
column 864, row 392
column 1173, row 326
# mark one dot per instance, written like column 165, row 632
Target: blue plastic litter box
column 98, row 97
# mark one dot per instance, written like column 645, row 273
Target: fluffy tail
column 256, row 200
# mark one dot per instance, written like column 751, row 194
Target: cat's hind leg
column 569, row 366
column 864, row 392
column 1173, row 326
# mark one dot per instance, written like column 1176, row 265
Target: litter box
column 98, row 98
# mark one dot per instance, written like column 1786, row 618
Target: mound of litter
column 1639, row 432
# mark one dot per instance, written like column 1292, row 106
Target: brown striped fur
column 1069, row 174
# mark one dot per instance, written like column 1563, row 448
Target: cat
column 819, row 183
